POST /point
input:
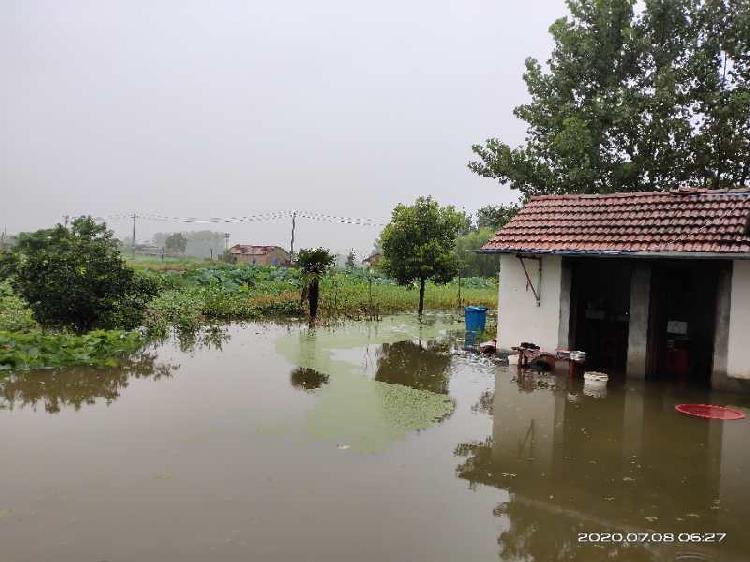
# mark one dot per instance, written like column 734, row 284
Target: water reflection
column 425, row 367
column 76, row 387
column 307, row 379
column 627, row 462
column 203, row 338
column 369, row 415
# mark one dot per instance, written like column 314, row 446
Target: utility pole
column 291, row 245
column 134, row 217
column 67, row 218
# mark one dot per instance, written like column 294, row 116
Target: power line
column 260, row 217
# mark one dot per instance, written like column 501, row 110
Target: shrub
column 74, row 277
column 15, row 314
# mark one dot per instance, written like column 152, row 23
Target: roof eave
column 623, row 254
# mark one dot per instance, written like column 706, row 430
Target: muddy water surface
column 367, row 441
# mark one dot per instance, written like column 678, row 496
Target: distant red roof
column 685, row 221
column 247, row 249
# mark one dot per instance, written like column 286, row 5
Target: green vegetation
column 35, row 350
column 218, row 293
column 67, row 297
column 314, row 265
column 175, row 243
column 24, row 345
column 419, row 243
column 167, row 263
column 646, row 99
column 15, row 314
column 471, row 262
column 74, row 278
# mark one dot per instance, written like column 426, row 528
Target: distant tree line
column 198, row 244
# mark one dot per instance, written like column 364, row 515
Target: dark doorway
column 600, row 309
column 682, row 320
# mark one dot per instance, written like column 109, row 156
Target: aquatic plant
column 36, row 350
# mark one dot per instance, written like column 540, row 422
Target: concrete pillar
column 731, row 358
column 721, row 334
column 640, row 293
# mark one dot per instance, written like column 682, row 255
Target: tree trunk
column 312, row 298
column 421, row 295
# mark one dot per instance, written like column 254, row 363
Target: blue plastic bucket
column 475, row 318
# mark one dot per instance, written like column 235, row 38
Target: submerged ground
column 359, row 441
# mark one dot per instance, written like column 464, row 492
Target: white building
column 653, row 285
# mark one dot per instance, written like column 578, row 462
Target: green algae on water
column 363, row 413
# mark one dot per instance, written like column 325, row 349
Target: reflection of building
column 259, row 255
column 625, row 463
column 651, row 284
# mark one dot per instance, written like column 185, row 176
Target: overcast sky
column 222, row 108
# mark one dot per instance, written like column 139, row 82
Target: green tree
column 495, row 216
column 472, row 263
column 419, row 243
column 75, row 277
column 631, row 102
column 175, row 243
column 314, row 264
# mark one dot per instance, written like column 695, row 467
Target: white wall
column 738, row 355
column 519, row 317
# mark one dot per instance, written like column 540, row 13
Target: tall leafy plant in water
column 314, row 263
column 75, row 278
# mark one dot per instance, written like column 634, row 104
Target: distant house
column 373, row 260
column 259, row 255
column 651, row 285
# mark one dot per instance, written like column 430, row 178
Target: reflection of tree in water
column 485, row 404
column 540, row 529
column 77, row 386
column 207, row 337
column 417, row 366
column 307, row 379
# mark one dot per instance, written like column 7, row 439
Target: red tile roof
column 685, row 221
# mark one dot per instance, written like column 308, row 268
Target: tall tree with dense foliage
column 75, row 277
column 471, row 262
column 647, row 101
column 495, row 216
column 419, row 242
column 175, row 243
column 314, row 264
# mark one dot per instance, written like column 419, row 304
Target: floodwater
column 368, row 442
